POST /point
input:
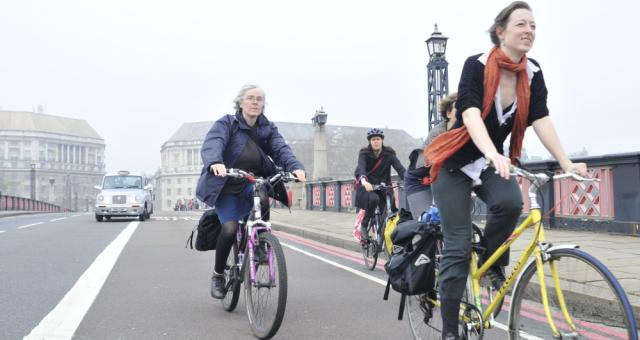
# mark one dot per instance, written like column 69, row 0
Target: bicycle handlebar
column 382, row 186
column 516, row 171
column 284, row 176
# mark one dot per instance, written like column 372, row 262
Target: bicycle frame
column 537, row 246
column 254, row 226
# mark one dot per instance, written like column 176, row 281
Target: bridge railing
column 611, row 205
column 26, row 204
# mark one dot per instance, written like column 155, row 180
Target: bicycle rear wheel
column 596, row 303
column 266, row 298
column 233, row 280
column 424, row 316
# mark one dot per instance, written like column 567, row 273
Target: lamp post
column 319, row 145
column 438, row 74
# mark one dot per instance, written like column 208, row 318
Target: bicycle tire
column 264, row 324
column 233, row 279
column 597, row 303
column 370, row 246
column 424, row 316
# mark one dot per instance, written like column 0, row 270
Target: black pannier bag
column 208, row 228
column 411, row 268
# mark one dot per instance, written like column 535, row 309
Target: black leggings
column 372, row 199
column 228, row 236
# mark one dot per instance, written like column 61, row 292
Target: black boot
column 217, row 286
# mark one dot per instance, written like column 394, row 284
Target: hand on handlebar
column 501, row 163
column 218, row 169
column 300, row 175
column 367, row 186
column 577, row 168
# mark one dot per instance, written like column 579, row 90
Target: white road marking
column 335, row 264
column 58, row 219
column 76, row 215
column 64, row 319
column 2, row 231
column 373, row 278
column 29, row 225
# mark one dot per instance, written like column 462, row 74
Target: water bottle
column 434, row 215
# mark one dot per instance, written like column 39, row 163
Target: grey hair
column 245, row 88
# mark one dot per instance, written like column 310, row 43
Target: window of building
column 189, row 192
column 189, row 157
column 26, row 153
column 179, row 180
column 168, row 191
column 1, row 153
column 14, row 154
column 179, row 191
column 169, row 204
column 168, row 180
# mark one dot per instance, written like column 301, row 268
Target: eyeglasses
column 253, row 98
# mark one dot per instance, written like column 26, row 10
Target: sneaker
column 496, row 276
column 218, row 286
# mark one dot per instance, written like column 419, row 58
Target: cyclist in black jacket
column 374, row 167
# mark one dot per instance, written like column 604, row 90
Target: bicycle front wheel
column 369, row 246
column 266, row 296
column 233, row 280
column 596, row 305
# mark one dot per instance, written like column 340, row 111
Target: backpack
column 412, row 267
column 208, row 228
column 392, row 223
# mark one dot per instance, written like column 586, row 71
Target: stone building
column 66, row 156
column 181, row 162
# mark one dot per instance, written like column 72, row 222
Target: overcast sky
column 136, row 70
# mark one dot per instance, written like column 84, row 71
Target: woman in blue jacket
column 247, row 141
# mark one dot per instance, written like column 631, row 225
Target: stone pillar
column 319, row 145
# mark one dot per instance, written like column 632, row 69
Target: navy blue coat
column 225, row 141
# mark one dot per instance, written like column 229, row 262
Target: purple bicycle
column 257, row 260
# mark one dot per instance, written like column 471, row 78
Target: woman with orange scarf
column 501, row 92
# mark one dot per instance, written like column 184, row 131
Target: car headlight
column 100, row 198
column 138, row 198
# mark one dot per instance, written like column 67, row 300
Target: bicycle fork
column 541, row 257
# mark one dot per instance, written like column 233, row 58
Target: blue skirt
column 234, row 207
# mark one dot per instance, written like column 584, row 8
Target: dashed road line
column 58, row 219
column 2, row 231
column 28, row 225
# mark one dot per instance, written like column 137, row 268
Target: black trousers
column 452, row 191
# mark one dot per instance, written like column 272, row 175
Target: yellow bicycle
column 559, row 291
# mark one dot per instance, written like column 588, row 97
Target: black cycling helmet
column 375, row 133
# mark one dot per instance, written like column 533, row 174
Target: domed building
column 65, row 157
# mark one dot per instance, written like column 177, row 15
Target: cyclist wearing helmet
column 374, row 167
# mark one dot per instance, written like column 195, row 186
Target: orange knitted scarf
column 451, row 141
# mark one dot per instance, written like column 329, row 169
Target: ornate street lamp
column 438, row 74
column 320, row 118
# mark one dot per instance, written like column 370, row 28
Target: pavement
column 9, row 213
column 621, row 254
